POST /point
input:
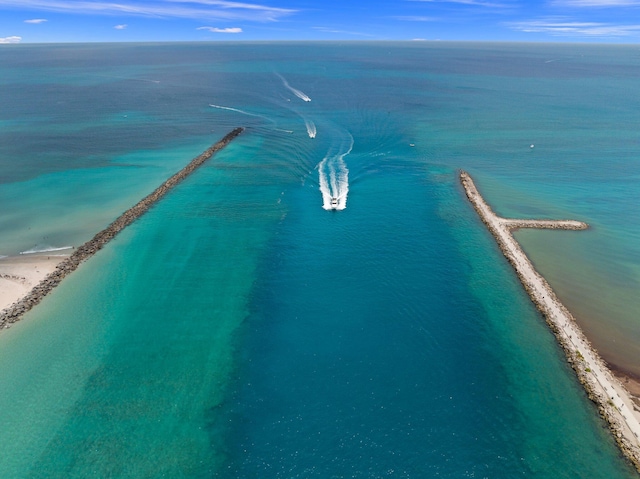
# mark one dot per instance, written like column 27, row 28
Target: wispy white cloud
column 341, row 32
column 211, row 9
column 476, row 3
column 221, row 30
column 572, row 28
column 13, row 39
column 122, row 26
column 36, row 20
column 415, row 18
column 596, row 3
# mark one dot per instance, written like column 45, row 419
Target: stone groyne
column 15, row 312
column 513, row 224
column 614, row 402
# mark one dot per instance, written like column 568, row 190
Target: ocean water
column 243, row 328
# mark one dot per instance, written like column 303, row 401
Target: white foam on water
column 334, row 177
column 295, row 91
column 45, row 249
column 311, row 128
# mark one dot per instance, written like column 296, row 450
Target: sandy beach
column 614, row 401
column 19, row 274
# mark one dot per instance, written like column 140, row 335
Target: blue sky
column 30, row 21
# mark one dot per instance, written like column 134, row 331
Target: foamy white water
column 311, row 128
column 333, row 176
column 295, row 91
column 45, row 249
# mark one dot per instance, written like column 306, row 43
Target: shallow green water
column 241, row 330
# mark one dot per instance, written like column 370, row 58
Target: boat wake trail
column 311, row 128
column 220, row 107
column 334, row 177
column 295, row 91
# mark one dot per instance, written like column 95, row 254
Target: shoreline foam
column 15, row 311
column 614, row 401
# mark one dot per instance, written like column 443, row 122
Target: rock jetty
column 614, row 402
column 15, row 312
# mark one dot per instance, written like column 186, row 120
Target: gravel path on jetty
column 15, row 312
column 614, row 401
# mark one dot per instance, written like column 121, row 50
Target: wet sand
column 615, row 402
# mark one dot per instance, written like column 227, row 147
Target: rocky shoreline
column 15, row 312
column 614, row 402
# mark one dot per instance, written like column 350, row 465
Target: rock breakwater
column 15, row 312
column 614, row 402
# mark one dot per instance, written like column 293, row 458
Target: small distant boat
column 334, row 203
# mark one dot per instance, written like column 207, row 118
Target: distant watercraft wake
column 334, row 178
column 295, row 91
column 228, row 108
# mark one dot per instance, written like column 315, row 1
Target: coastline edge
column 17, row 310
column 602, row 387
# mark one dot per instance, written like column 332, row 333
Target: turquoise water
column 241, row 330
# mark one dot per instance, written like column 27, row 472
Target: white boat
column 334, row 203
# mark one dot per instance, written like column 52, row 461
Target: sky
column 44, row 21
